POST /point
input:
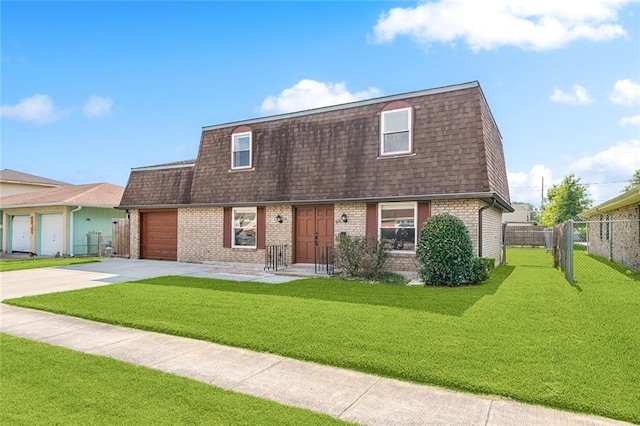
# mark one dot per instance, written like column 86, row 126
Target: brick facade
column 615, row 235
column 200, row 231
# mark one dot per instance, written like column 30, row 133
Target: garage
column 50, row 234
column 159, row 235
column 20, row 237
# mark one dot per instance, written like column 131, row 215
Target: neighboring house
column 13, row 182
column 380, row 166
column 614, row 229
column 64, row 220
column 521, row 214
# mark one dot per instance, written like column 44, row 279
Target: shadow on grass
column 440, row 300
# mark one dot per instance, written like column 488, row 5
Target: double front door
column 314, row 228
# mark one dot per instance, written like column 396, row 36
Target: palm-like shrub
column 445, row 252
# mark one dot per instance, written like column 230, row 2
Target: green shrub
column 482, row 267
column 361, row 257
column 445, row 252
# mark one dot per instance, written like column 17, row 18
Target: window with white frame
column 241, row 150
column 396, row 132
column 244, row 227
column 397, row 225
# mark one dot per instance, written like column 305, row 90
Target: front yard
column 524, row 334
column 43, row 384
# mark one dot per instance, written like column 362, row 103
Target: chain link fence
column 605, row 240
column 583, row 248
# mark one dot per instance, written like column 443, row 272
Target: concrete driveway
column 116, row 270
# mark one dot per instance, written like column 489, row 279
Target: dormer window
column 241, row 150
column 396, row 132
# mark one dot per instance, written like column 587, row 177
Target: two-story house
column 380, row 166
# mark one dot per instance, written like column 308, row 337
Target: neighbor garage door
column 159, row 235
column 50, row 234
column 20, row 238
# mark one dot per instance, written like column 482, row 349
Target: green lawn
column 15, row 265
column 43, row 384
column 525, row 333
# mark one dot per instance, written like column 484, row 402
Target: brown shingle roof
column 332, row 154
column 162, row 184
column 8, row 175
column 93, row 195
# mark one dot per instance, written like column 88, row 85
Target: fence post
column 568, row 250
column 504, row 243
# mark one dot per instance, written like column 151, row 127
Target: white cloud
column 526, row 24
column 527, row 186
column 634, row 120
column 579, row 96
column 307, row 94
column 97, row 106
column 626, row 92
column 620, row 160
column 38, row 109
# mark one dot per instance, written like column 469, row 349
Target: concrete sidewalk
column 344, row 394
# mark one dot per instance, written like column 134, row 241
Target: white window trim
column 233, row 139
column 399, row 205
column 382, row 133
column 253, row 210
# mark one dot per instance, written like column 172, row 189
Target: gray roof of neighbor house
column 89, row 195
column 332, row 154
column 13, row 176
column 627, row 198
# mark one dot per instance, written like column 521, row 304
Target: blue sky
column 92, row 89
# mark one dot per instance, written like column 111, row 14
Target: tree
column 565, row 201
column 635, row 181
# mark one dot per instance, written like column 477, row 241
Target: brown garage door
column 159, row 235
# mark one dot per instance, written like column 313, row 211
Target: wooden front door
column 314, row 227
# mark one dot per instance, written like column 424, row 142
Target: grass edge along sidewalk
column 17, row 265
column 526, row 334
column 48, row 384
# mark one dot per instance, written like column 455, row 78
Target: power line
column 582, row 184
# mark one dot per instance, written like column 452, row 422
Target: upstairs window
column 396, row 132
column 241, row 150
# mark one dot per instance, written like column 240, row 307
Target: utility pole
column 542, row 193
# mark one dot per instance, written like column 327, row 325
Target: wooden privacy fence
column 525, row 235
column 120, row 237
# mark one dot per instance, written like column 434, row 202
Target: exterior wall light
column 279, row 218
column 344, row 217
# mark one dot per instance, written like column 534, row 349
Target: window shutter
column 424, row 213
column 226, row 228
column 372, row 220
column 261, row 224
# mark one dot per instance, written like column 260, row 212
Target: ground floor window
column 397, row 225
column 244, row 227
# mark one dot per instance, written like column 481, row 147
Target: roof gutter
column 71, row 235
column 488, row 206
column 488, row 196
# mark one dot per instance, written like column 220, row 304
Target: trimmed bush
column 445, row 252
column 361, row 257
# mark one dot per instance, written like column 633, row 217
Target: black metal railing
column 275, row 256
column 324, row 260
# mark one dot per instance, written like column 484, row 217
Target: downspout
column 71, row 229
column 488, row 206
